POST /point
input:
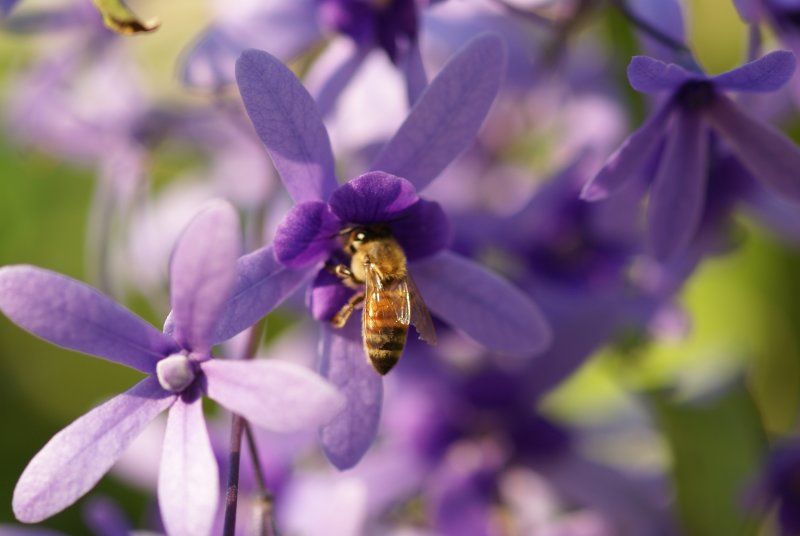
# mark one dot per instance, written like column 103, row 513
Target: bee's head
column 356, row 236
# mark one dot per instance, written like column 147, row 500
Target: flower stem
column 267, row 520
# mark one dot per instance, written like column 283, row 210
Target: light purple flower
column 180, row 369
column 442, row 124
column 677, row 138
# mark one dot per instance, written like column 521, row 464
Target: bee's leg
column 340, row 318
column 344, row 273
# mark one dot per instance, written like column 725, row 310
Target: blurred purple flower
column 180, row 369
column 677, row 136
column 780, row 486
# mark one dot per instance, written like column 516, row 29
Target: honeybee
column 389, row 297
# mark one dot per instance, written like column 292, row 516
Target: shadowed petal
column 277, row 396
column 262, row 283
column 75, row 316
column 768, row 154
column 202, row 274
column 763, row 75
column 622, row 167
column 482, row 305
column 422, row 230
column 448, row 114
column 188, row 478
column 327, row 296
column 348, row 436
column 678, row 192
column 649, row 75
column 78, row 456
column 332, row 71
column 307, row 234
column 372, row 197
column 286, row 119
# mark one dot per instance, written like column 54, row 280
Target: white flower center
column 175, row 373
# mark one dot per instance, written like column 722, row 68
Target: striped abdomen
column 386, row 320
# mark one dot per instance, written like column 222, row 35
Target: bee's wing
column 420, row 316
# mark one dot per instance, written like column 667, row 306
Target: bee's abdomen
column 384, row 345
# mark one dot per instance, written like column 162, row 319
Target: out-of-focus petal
column 448, row 114
column 750, row 11
column 482, row 305
column 277, row 396
column 287, row 121
column 679, row 188
column 6, row 6
column 623, row 166
column 188, row 478
column 766, row 152
column 202, row 274
column 262, row 283
column 75, row 459
column 416, row 79
column 372, row 197
column 348, row 436
column 75, row 316
column 422, row 230
column 332, row 71
column 104, row 517
column 649, row 75
column 763, row 75
column 307, row 234
column 666, row 16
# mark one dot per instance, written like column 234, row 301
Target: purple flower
column 780, row 484
column 180, row 369
column 677, row 138
column 442, row 124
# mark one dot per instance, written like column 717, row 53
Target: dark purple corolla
column 180, row 370
column 779, row 486
column 677, row 138
column 441, row 125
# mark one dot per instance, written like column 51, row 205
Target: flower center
column 696, row 94
column 175, row 373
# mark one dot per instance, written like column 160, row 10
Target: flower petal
column 275, row 395
column 307, row 234
column 372, row 197
column 482, row 305
column 448, row 114
column 77, row 457
column 262, row 283
column 749, row 10
column 414, row 69
column 679, row 188
column 422, row 230
column 286, row 119
column 623, row 166
column 348, row 436
column 6, row 6
column 188, row 480
column 202, row 274
column 327, row 295
column 649, row 75
column 75, row 316
column 763, row 75
column 332, row 71
column 766, row 152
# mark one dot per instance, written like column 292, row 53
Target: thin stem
column 267, row 520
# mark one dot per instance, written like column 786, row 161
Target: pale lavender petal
column 763, row 75
column 348, row 436
column 275, row 395
column 766, row 152
column 262, row 283
column 416, row 79
column 487, row 308
column 202, row 274
column 623, row 166
column 372, row 197
column 210, row 61
column 6, row 6
column 286, row 119
column 308, row 233
column 332, row 71
column 749, row 10
column 188, row 479
column 448, row 114
column 16, row 530
column 679, row 188
column 78, row 456
column 649, row 75
column 75, row 316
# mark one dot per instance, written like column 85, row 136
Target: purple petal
column 372, row 197
column 262, row 283
column 77, row 457
column 679, row 188
column 416, row 79
column 448, row 115
column 763, row 75
column 768, row 154
column 327, row 296
column 422, row 230
column 666, row 16
column 188, row 478
column 332, row 71
column 202, row 274
column 104, row 517
column 6, row 6
column 649, row 75
column 485, row 307
column 277, row 396
column 286, row 119
column 623, row 166
column 348, row 436
column 307, row 234
column 75, row 316
column 749, row 10
column 211, row 60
